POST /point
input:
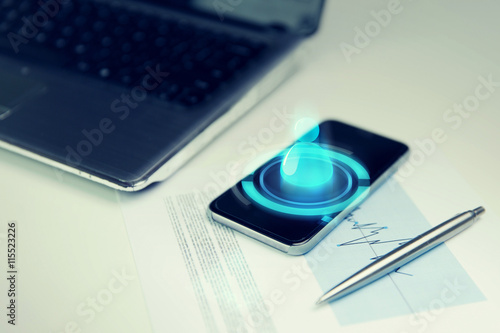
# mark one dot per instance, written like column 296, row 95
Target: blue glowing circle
column 355, row 187
column 306, row 165
column 323, row 202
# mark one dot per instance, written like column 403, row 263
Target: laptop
column 125, row 92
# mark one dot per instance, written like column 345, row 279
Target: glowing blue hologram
column 349, row 184
column 306, row 165
column 308, row 179
column 309, row 125
column 252, row 192
column 322, row 195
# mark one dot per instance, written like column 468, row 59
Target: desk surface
column 428, row 71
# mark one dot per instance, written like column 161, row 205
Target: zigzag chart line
column 370, row 239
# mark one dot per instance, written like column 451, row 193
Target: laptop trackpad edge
column 15, row 90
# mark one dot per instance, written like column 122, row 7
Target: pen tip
column 478, row 210
column 321, row 300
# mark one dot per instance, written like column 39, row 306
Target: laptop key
column 239, row 50
column 107, row 42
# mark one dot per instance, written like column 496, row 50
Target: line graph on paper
column 386, row 220
column 372, row 234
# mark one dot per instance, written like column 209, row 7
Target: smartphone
column 302, row 193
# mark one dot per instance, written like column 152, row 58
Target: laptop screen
column 297, row 16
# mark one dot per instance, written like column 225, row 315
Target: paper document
column 223, row 286
column 388, row 219
column 200, row 276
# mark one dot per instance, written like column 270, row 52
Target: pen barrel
column 404, row 254
column 422, row 244
column 429, row 239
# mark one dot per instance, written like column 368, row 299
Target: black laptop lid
column 300, row 17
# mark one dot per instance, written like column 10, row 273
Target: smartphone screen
column 286, row 213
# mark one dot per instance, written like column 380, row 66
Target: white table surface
column 72, row 241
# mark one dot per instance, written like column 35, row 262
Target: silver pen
column 403, row 254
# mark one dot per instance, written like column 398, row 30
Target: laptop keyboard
column 113, row 44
